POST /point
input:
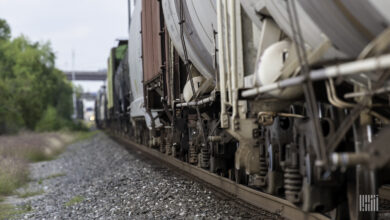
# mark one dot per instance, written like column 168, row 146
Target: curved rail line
column 248, row 195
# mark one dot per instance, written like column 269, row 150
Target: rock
column 102, row 180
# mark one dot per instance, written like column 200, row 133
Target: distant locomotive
column 289, row 97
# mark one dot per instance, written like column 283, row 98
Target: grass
column 30, row 193
column 16, row 152
column 10, row 211
column 52, row 176
column 13, row 174
column 75, row 200
column 40, row 181
column 85, row 135
column 38, row 156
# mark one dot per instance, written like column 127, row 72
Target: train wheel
column 363, row 181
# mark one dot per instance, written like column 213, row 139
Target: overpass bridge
column 87, row 75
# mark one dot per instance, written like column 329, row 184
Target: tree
column 30, row 85
column 5, row 30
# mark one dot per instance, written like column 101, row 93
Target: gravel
column 99, row 179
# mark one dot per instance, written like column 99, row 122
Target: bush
column 29, row 84
column 78, row 126
column 50, row 121
column 10, row 118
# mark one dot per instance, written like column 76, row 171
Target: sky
column 87, row 27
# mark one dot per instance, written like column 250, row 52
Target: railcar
column 277, row 95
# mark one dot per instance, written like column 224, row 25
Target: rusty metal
column 266, row 118
column 192, row 154
column 152, row 39
column 240, row 192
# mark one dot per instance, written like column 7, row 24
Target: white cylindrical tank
column 270, row 69
column 310, row 31
column 200, row 23
column 350, row 25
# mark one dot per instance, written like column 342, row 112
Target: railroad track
column 384, row 192
column 248, row 195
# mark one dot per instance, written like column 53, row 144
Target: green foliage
column 8, row 211
column 10, row 117
column 85, row 135
column 30, row 193
column 5, row 30
column 29, row 84
column 75, row 200
column 50, row 121
column 77, row 126
column 13, row 174
column 78, row 90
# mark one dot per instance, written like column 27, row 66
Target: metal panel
column 311, row 33
column 252, row 8
column 135, row 54
column 137, row 107
column 125, row 81
column 151, row 39
column 277, row 9
column 383, row 7
column 199, row 26
column 117, row 92
column 175, row 73
column 110, row 79
column 352, row 24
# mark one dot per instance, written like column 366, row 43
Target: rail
column 248, row 195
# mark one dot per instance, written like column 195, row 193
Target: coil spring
column 205, row 158
column 263, row 171
column 263, row 167
column 292, row 184
column 192, row 154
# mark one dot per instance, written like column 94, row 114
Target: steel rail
column 384, row 192
column 248, row 195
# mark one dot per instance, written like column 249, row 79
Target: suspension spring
column 205, row 157
column 292, row 184
column 192, row 154
column 263, row 170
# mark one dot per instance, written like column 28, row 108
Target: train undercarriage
column 267, row 97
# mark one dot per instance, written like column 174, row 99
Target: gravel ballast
column 99, row 179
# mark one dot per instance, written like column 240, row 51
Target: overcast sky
column 89, row 27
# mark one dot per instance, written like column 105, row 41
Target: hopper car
column 290, row 97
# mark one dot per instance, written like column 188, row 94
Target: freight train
column 290, row 97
